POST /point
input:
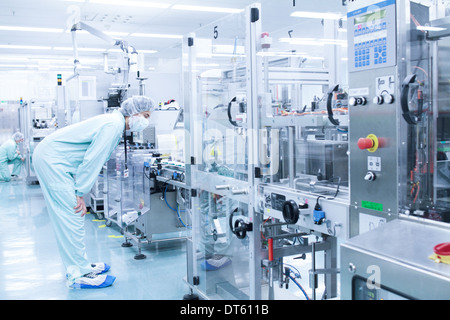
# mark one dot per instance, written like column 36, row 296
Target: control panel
column 373, row 110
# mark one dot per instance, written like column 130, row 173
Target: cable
column 165, row 199
column 297, row 275
column 300, row 287
column 179, row 217
column 298, row 284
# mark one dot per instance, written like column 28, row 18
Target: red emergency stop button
column 365, row 143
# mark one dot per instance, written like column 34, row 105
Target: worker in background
column 10, row 154
column 67, row 164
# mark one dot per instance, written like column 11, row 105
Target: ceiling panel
column 129, row 19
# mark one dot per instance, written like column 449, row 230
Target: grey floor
column 31, row 268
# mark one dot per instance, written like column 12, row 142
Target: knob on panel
column 291, row 212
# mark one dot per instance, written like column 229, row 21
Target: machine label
column 358, row 92
column 374, row 163
column 372, row 205
column 385, row 85
column 278, row 201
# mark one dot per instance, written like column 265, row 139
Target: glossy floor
column 31, row 268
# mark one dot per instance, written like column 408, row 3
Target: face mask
column 138, row 123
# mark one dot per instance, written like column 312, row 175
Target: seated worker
column 67, row 164
column 10, row 154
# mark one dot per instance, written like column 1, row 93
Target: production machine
column 144, row 188
column 267, row 168
column 144, row 197
column 38, row 119
column 399, row 164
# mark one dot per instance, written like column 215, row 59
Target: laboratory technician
column 67, row 164
column 10, row 154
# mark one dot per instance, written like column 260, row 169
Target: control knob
column 370, row 176
column 291, row 212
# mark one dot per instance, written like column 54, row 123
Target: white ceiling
column 129, row 19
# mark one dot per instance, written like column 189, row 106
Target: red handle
column 270, row 249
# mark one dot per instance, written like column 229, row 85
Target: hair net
column 17, row 136
column 136, row 105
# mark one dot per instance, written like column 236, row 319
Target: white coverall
column 9, row 155
column 67, row 164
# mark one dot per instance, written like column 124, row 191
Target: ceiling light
column 30, row 29
column 17, row 66
column 79, row 49
column 138, row 51
column 140, row 4
column 206, row 9
column 157, row 35
column 7, row 46
column 13, row 59
column 316, row 15
column 428, row 28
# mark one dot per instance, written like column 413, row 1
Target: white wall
column 40, row 85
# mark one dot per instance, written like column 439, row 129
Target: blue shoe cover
column 100, row 267
column 93, row 281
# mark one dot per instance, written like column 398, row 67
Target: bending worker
column 10, row 154
column 67, row 164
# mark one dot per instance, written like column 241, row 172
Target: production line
column 271, row 162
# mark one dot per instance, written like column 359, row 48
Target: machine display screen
column 372, row 40
column 371, row 18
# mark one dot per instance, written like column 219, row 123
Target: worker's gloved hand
column 81, row 206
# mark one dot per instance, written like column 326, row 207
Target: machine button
column 354, row 101
column 361, row 100
column 365, row 143
column 378, row 99
column 388, row 98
